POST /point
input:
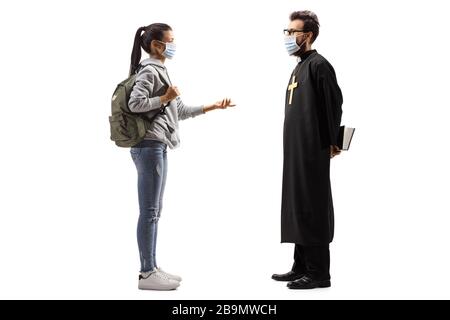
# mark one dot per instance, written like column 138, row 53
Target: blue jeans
column 150, row 158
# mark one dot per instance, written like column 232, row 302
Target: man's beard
column 299, row 52
column 302, row 49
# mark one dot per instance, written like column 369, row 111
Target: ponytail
column 136, row 53
column 152, row 32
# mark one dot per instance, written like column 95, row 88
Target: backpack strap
column 141, row 66
column 162, row 110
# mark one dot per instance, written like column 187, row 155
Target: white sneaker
column 156, row 280
column 170, row 276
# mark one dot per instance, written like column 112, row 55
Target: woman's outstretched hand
column 223, row 104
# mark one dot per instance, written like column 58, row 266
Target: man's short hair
column 310, row 20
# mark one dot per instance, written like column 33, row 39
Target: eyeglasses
column 290, row 32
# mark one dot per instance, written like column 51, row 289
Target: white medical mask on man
column 292, row 47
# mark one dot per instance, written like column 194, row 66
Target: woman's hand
column 171, row 93
column 223, row 104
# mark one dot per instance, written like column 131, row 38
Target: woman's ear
column 156, row 47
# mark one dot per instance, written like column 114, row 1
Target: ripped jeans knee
column 151, row 214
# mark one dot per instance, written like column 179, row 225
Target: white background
column 69, row 197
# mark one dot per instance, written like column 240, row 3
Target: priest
column 311, row 126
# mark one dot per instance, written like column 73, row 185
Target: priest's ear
column 309, row 36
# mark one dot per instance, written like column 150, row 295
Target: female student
column 154, row 96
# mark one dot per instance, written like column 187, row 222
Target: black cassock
column 311, row 125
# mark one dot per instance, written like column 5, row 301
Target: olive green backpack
column 127, row 128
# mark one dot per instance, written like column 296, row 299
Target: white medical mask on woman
column 170, row 51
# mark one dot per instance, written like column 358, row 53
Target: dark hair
column 310, row 20
column 152, row 32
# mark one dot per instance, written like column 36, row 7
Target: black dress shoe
column 290, row 276
column 308, row 283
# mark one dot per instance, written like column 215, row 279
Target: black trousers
column 313, row 261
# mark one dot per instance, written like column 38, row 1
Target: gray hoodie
column 145, row 98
